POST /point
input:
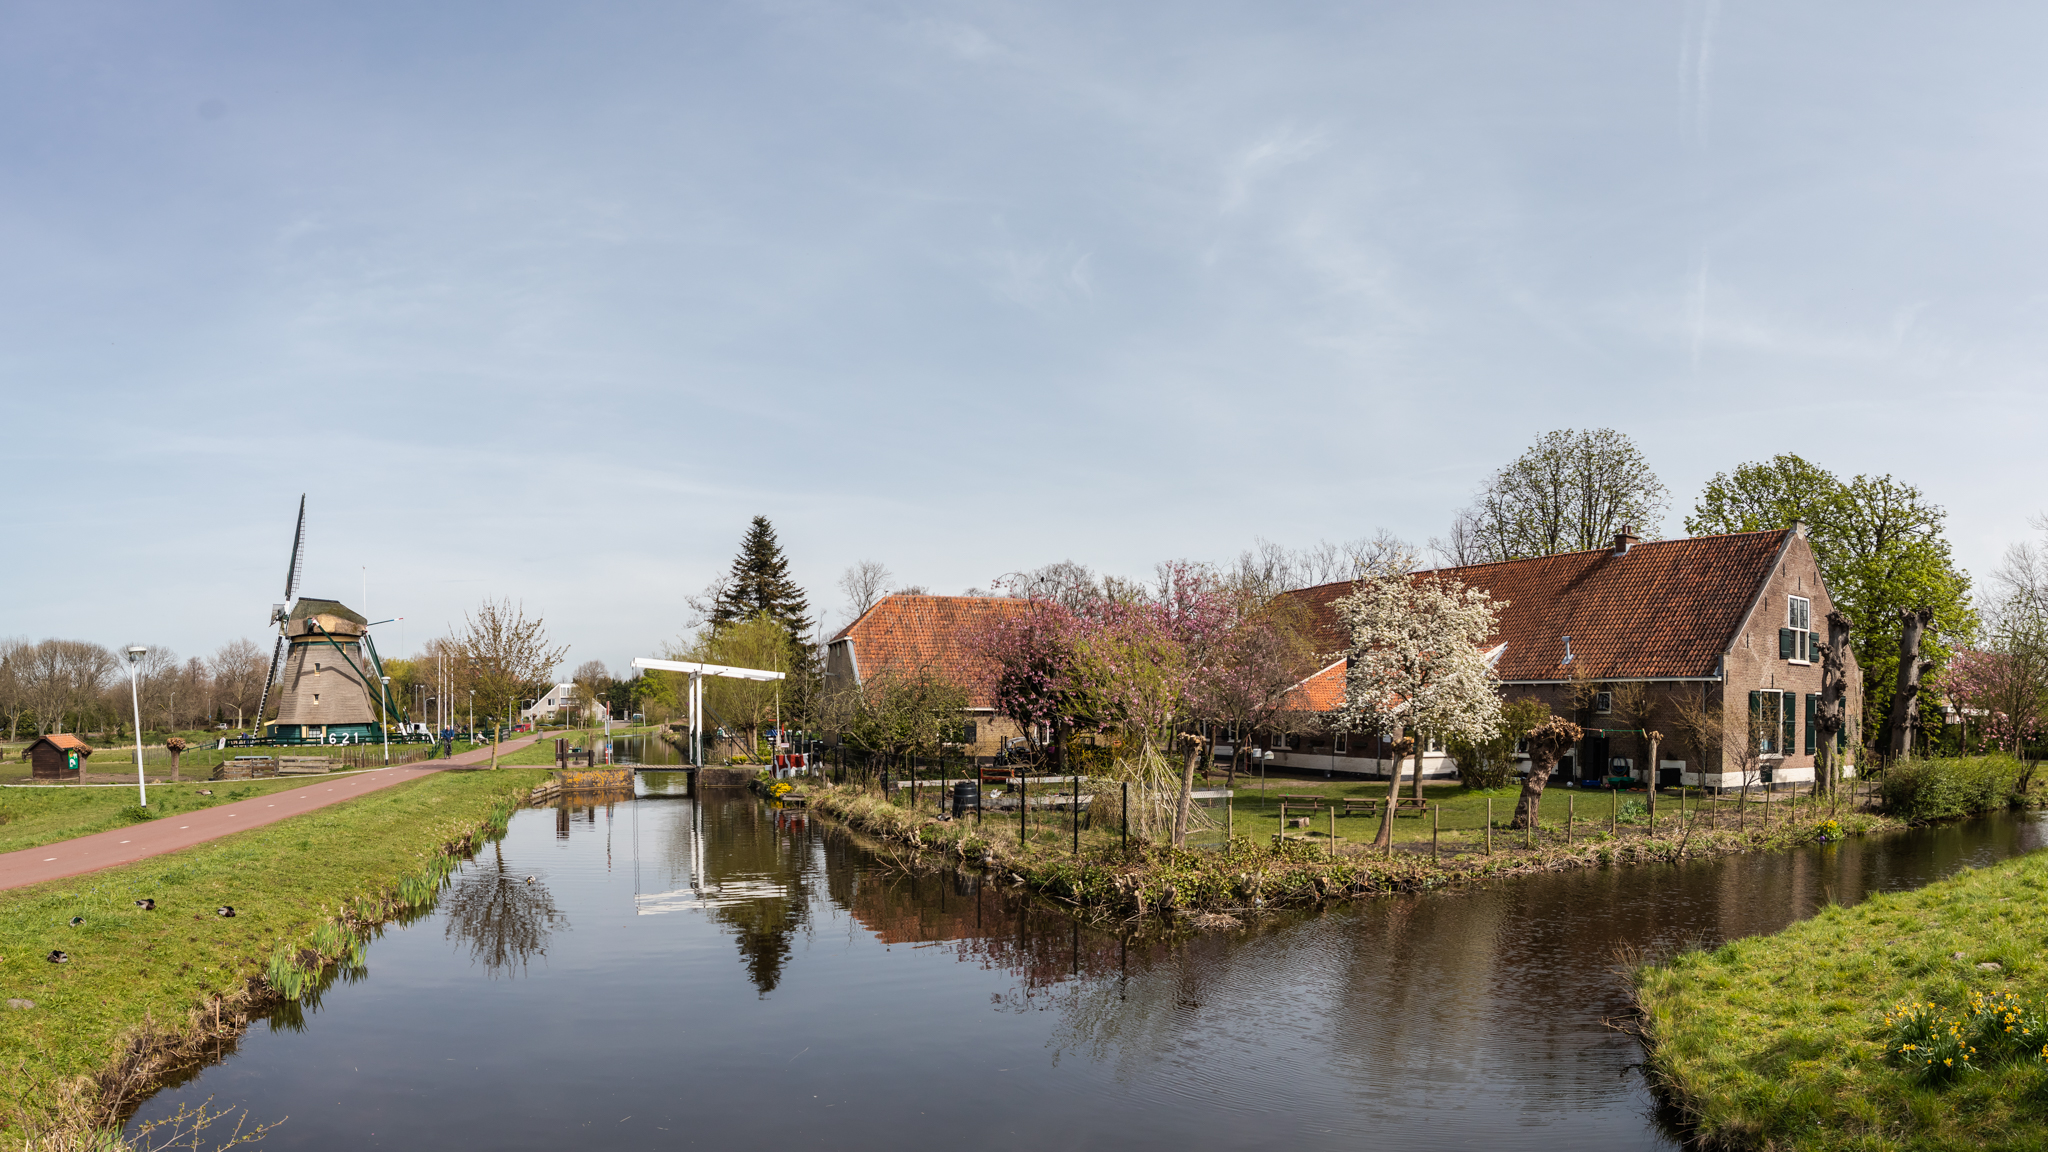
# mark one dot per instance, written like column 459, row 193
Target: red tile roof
column 903, row 633
column 62, row 740
column 1668, row 608
column 1321, row 692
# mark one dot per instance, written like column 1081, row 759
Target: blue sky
column 545, row 301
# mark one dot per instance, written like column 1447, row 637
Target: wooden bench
column 304, row 765
column 1370, row 805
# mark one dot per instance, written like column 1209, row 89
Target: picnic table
column 1370, row 805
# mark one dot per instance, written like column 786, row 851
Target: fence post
column 1127, row 818
column 1077, row 815
column 1489, row 825
column 1436, row 824
column 1023, row 809
column 1333, row 831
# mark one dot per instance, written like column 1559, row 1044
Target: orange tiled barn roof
column 1668, row 608
column 903, row 633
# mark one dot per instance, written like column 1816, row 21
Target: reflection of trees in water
column 748, row 847
column 504, row 920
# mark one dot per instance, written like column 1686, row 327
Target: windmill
column 331, row 690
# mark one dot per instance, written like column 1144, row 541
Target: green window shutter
column 1813, row 645
column 1790, row 716
column 1784, row 643
column 1812, row 702
column 1757, row 720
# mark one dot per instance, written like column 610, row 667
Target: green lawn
column 1462, row 815
column 34, row 816
column 285, row 881
column 1780, row 1041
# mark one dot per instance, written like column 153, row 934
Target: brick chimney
column 1625, row 539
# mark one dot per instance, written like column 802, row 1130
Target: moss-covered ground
column 1780, row 1041
column 135, row 981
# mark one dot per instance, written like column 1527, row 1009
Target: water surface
column 685, row 972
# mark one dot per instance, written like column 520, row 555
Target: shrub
column 1923, row 790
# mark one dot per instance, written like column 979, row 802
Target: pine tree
column 759, row 582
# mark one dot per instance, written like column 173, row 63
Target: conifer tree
column 759, row 582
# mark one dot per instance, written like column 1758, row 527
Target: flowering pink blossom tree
column 2000, row 692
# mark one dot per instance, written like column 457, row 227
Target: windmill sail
column 291, row 573
column 276, row 658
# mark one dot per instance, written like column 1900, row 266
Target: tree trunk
column 1195, row 745
column 1650, row 773
column 1906, row 697
column 174, row 764
column 1421, row 744
column 1386, row 836
column 1530, row 804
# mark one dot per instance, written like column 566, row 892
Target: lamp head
column 136, row 652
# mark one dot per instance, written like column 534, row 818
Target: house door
column 1593, row 757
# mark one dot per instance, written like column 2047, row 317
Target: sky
column 546, row 301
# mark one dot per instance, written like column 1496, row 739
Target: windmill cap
column 332, row 615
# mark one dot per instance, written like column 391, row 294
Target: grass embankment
column 1255, row 872
column 115, row 763
column 1782, row 1041
column 144, row 991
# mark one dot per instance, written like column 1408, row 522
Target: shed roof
column 63, row 741
column 905, row 632
column 1664, row 609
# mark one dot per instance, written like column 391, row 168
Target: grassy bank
column 144, row 991
column 1783, row 1041
column 1254, row 873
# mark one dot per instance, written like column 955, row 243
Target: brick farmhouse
column 1733, row 623
column 904, row 633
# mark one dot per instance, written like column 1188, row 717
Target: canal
column 666, row 971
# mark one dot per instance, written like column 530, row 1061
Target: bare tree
column 506, row 656
column 591, row 679
column 1072, row 586
column 14, row 703
column 1460, row 546
column 864, row 583
column 1570, row 492
column 238, row 669
column 62, row 675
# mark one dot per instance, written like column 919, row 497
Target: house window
column 1796, row 640
column 969, row 731
column 1763, row 721
column 1603, row 702
column 1341, row 742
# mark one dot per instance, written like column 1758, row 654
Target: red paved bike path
column 171, row 833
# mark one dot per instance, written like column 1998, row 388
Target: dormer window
column 1797, row 641
column 1603, row 702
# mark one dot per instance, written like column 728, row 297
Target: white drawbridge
column 697, row 672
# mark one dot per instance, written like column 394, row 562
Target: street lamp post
column 385, row 727
column 135, row 654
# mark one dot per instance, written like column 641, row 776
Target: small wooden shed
column 59, row 757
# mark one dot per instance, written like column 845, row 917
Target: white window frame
column 1799, row 618
column 1603, row 703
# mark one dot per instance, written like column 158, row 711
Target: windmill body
column 328, row 693
column 331, row 691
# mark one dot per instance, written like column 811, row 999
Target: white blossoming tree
column 1416, row 660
